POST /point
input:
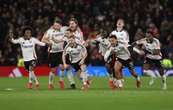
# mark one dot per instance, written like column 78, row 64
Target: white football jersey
column 122, row 36
column 75, row 53
column 104, row 45
column 150, row 47
column 28, row 47
column 64, row 28
column 79, row 37
column 59, row 35
column 120, row 51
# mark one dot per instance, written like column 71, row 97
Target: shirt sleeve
column 157, row 44
column 141, row 41
column 16, row 41
column 84, row 50
column 99, row 39
column 127, row 37
column 80, row 37
column 107, row 54
column 112, row 33
column 39, row 42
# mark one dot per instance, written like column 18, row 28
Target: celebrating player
column 121, row 33
column 27, row 43
column 153, row 55
column 74, row 28
column 104, row 45
column 77, row 54
column 55, row 51
column 123, row 58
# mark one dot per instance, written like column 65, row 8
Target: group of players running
column 67, row 49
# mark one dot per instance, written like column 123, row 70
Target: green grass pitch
column 15, row 96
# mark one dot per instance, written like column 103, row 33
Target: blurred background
column 93, row 16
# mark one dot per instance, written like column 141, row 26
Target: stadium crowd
column 93, row 16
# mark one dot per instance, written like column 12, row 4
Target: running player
column 77, row 54
column 55, row 51
column 123, row 58
column 153, row 55
column 121, row 33
column 27, row 43
column 75, row 29
column 104, row 45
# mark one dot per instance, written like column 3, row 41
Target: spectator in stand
column 92, row 15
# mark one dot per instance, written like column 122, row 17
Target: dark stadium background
column 93, row 16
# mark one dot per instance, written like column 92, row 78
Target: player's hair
column 27, row 28
column 57, row 20
column 149, row 31
column 113, row 36
column 120, row 19
column 74, row 19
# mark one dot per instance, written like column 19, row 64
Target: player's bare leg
column 84, row 77
column 51, row 77
column 148, row 71
column 134, row 74
column 61, row 77
column 111, row 76
column 32, row 78
column 118, row 74
column 163, row 78
column 29, row 85
column 70, row 78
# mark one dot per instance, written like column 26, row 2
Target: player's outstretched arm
column 45, row 38
column 64, row 59
column 84, row 55
column 156, row 51
column 39, row 42
column 107, row 54
column 135, row 45
column 12, row 40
